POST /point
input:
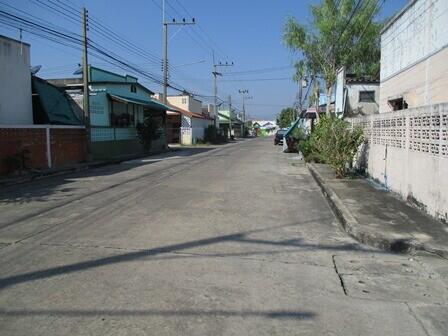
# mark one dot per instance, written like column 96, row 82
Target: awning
column 152, row 104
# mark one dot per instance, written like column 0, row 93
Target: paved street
column 234, row 240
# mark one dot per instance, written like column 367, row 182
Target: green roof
column 153, row 104
column 54, row 106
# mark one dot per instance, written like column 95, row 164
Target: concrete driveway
column 232, row 240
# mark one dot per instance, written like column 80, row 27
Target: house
column 356, row 95
column 406, row 146
column 40, row 128
column 117, row 104
column 229, row 120
column 268, row 126
column 187, row 123
column 15, row 82
column 414, row 54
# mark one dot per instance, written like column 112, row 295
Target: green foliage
column 332, row 142
column 147, row 132
column 342, row 34
column 214, row 136
column 285, row 117
column 298, row 134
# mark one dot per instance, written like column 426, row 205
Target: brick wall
column 68, row 146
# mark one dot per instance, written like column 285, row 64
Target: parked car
column 278, row 139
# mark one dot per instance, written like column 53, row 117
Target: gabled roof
column 184, row 112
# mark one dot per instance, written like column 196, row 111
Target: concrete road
column 233, row 240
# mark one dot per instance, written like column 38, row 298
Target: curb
column 367, row 237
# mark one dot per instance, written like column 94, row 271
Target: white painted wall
column 186, row 102
column 339, row 93
column 15, row 83
column 408, row 153
column 354, row 106
column 199, row 126
column 419, row 32
column 414, row 51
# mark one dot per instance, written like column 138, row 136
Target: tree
column 342, row 34
column 147, row 132
column 286, row 117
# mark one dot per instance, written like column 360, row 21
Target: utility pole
column 300, row 107
column 85, row 79
column 230, row 116
column 165, row 55
column 165, row 46
column 215, row 74
column 244, row 97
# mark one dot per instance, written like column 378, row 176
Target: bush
column 214, row 136
column 332, row 142
column 147, row 132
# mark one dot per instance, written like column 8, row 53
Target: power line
column 66, row 38
column 259, row 71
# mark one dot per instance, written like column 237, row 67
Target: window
column 398, row 104
column 122, row 115
column 184, row 100
column 366, row 96
column 133, row 88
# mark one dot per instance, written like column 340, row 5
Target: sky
column 245, row 32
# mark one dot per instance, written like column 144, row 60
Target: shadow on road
column 274, row 314
column 40, row 190
column 242, row 237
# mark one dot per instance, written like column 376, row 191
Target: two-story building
column 40, row 126
column 414, row 54
column 15, row 81
column 187, row 124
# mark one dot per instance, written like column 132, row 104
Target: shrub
column 332, row 142
column 147, row 132
column 214, row 136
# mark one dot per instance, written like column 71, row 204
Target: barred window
column 366, row 96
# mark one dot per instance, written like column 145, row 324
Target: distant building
column 230, row 120
column 356, row 95
column 15, row 83
column 414, row 54
column 188, row 123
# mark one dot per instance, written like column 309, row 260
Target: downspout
column 385, row 168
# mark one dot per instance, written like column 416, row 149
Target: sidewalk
column 376, row 217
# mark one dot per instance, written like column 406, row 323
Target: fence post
column 48, row 138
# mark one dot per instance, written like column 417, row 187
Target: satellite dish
column 78, row 71
column 35, row 69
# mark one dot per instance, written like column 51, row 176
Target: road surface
column 232, row 240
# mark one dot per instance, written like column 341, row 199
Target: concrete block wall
column 407, row 152
column 47, row 146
